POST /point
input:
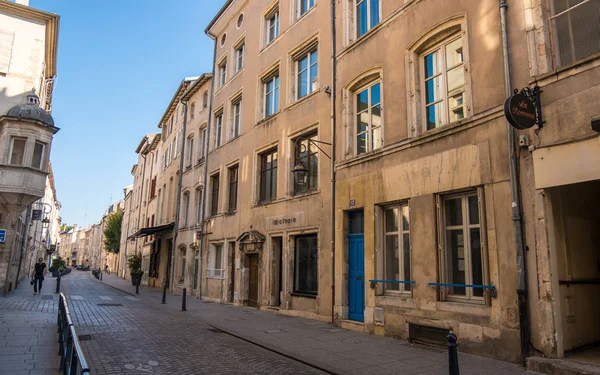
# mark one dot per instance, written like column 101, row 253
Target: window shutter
column 6, row 47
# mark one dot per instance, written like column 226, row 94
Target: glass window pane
column 453, row 212
column 473, row 210
column 456, row 79
column 314, row 71
column 432, row 64
column 391, row 220
column 313, row 171
column 376, row 138
column 374, row 12
column 38, row 153
column 361, row 143
column 376, row 116
column 355, row 222
column 313, row 57
column 433, row 91
column 454, row 53
column 362, row 122
column 455, row 107
column 361, row 17
column 376, row 94
column 306, row 271
column 405, row 218
column 456, row 261
column 392, row 262
column 269, row 104
column 406, row 260
column 18, row 151
column 434, row 116
column 302, row 84
column 476, row 265
column 362, row 100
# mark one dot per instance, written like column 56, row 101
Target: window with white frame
column 272, row 25
column 368, row 118
column 17, row 150
column 199, row 206
column 39, row 149
column 218, row 128
column 190, row 150
column 215, row 261
column 576, row 27
column 304, row 6
column 240, row 51
column 202, row 144
column 307, row 67
column 186, row 210
column 271, row 95
column 367, row 15
column 236, row 113
column 222, row 72
column 443, row 68
column 396, row 259
column 462, row 246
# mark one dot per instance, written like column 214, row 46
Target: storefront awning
column 150, row 231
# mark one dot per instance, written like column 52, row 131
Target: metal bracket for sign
column 533, row 94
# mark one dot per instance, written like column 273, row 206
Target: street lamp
column 300, row 171
column 45, row 222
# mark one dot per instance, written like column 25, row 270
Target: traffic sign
column 2, row 235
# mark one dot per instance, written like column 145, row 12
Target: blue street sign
column 2, row 235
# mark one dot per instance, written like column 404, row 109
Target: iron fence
column 72, row 359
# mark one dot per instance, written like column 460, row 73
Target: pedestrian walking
column 38, row 276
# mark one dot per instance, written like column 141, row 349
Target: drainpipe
column 23, row 242
column 333, row 132
column 206, row 150
column 516, row 200
column 142, row 197
column 179, row 183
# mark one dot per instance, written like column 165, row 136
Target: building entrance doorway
column 276, row 271
column 574, row 231
column 356, row 266
column 253, row 280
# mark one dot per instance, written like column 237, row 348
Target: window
column 153, row 188
column 186, row 210
column 182, row 270
column 444, row 81
column 236, row 112
column 397, row 247
column 223, row 39
column 576, row 29
column 462, row 245
column 17, row 151
column 205, row 99
column 239, row 56
column 367, row 16
column 271, row 95
column 268, row 176
column 368, row 119
column 240, row 20
column 272, row 25
column 190, row 151
column 199, row 206
column 306, row 153
column 233, row 188
column 222, row 73
column 304, row 6
column 306, row 274
column 192, row 109
column 215, row 261
column 202, row 144
column 38, row 155
column 214, row 199
column 155, row 259
column 218, row 128
column 306, row 74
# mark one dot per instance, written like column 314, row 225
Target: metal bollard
column 137, row 289
column 183, row 306
column 452, row 355
column 164, row 297
column 58, row 283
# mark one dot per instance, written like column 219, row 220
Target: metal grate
column 428, row 335
column 109, row 304
column 85, row 337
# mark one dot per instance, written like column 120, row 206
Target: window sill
column 304, row 295
column 302, row 100
column 230, row 213
column 303, row 195
column 303, row 16
column 199, row 163
column 267, row 119
column 465, row 307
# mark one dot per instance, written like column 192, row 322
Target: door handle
column 359, row 278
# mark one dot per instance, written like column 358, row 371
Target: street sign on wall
column 2, row 235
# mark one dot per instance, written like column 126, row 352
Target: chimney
column 22, row 2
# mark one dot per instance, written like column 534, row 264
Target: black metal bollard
column 164, row 297
column 183, row 306
column 58, row 284
column 452, row 355
column 137, row 289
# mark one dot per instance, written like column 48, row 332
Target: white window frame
column 443, row 74
column 223, row 72
column 42, row 156
column 465, row 227
column 12, row 145
column 190, row 150
column 236, row 117
column 402, row 208
column 218, row 129
column 240, row 55
column 355, row 4
column 202, row 145
column 276, row 91
column 272, row 20
column 299, row 13
column 215, row 268
column 369, row 130
column 309, row 84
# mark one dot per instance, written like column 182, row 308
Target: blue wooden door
column 356, row 275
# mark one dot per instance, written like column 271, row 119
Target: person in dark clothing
column 38, row 276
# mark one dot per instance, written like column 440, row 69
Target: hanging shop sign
column 36, row 214
column 523, row 109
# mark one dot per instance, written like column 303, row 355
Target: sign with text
column 2, row 235
column 520, row 112
column 292, row 220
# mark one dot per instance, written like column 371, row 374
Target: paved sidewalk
column 28, row 337
column 332, row 349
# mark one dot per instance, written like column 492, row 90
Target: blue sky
column 119, row 63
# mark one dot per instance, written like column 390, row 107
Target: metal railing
column 72, row 360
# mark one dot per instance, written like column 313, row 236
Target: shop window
column 215, row 261
column 306, row 275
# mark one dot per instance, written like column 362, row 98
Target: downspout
column 142, row 197
column 516, row 200
column 206, row 150
column 179, row 184
column 23, row 243
column 333, row 138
